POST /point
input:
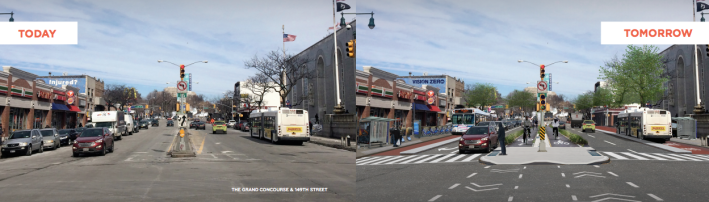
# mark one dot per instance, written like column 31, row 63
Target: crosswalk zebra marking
column 367, row 159
column 703, row 157
column 381, row 159
column 471, row 158
column 379, row 162
column 440, row 159
column 615, row 155
column 655, row 156
column 429, row 158
column 651, row 156
column 408, row 157
column 687, row 157
column 413, row 159
column 669, row 157
column 634, row 156
column 455, row 158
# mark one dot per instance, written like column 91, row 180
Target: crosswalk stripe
column 634, row 156
column 367, row 159
column 470, row 158
column 413, row 159
column 397, row 160
column 615, row 155
column 441, row 159
column 429, row 158
column 669, row 157
column 383, row 158
column 378, row 162
column 703, row 157
column 456, row 157
column 686, row 157
column 651, row 156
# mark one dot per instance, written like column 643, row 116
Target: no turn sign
column 181, row 86
column 542, row 86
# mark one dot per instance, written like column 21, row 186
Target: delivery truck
column 113, row 120
column 576, row 120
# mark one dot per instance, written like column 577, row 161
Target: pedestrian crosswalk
column 655, row 156
column 417, row 159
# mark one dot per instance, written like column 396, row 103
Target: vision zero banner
column 654, row 33
column 38, row 33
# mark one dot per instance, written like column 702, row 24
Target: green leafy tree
column 584, row 101
column 520, row 98
column 480, row 94
column 602, row 97
column 635, row 78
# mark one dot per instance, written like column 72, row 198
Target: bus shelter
column 373, row 130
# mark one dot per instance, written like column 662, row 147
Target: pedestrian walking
column 311, row 125
column 395, row 135
column 501, row 139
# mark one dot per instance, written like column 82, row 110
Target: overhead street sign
column 542, row 87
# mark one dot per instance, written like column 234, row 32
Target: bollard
column 348, row 140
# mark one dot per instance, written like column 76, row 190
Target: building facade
column 452, row 87
column 680, row 94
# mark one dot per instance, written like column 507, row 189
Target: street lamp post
column 182, row 100
column 11, row 14
column 542, row 143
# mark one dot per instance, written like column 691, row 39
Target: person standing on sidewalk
column 555, row 125
column 501, row 138
column 395, row 137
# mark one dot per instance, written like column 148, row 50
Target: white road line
column 608, row 142
column 366, row 159
column 592, row 136
column 669, row 157
column 525, row 167
column 516, row 187
column 429, row 158
column 214, row 156
column 567, row 186
column 510, row 199
column 632, row 151
column 441, row 159
column 655, row 197
column 383, row 158
column 631, row 184
column 487, row 166
column 596, row 166
column 615, row 155
column 609, row 172
column 397, row 157
column 520, row 176
column 634, row 156
column 456, row 158
column 435, row 197
column 696, row 156
column 651, row 156
column 397, row 160
column 687, row 157
column 471, row 175
column 558, row 166
column 140, row 152
column 573, row 197
column 563, row 175
column 413, row 159
column 470, row 158
column 455, row 185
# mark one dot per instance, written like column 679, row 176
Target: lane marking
column 631, row 184
column 471, row 175
column 634, row 156
column 615, row 155
column 655, row 197
column 573, row 197
column 520, row 176
column 632, row 151
column 396, row 157
column 435, row 197
column 558, row 166
column 429, row 158
column 456, row 158
column 563, row 175
column 669, row 157
column 703, row 157
column 413, row 159
column 380, row 159
column 651, row 156
column 609, row 172
column 510, row 199
column 596, row 166
column 408, row 157
column 567, row 186
column 213, row 156
column 686, row 157
column 525, row 167
column 471, row 157
column 201, row 146
column 455, row 185
column 218, row 143
column 365, row 159
column 441, row 159
column 140, row 152
column 487, row 166
column 516, row 187
column 608, row 142
column 592, row 136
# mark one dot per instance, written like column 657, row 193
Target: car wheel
column 224, row 131
column 214, row 132
column 103, row 151
column 489, row 148
column 29, row 151
column 41, row 149
column 112, row 148
column 130, row 133
column 75, row 154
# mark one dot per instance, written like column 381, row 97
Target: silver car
column 51, row 138
column 23, row 141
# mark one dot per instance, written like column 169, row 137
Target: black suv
column 156, row 122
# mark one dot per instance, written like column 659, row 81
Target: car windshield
column 169, row 121
column 80, row 129
column 92, row 133
column 588, row 122
column 64, row 131
column 21, row 134
column 46, row 133
column 477, row 131
column 104, row 124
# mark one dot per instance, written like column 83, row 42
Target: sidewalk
column 333, row 142
column 389, row 149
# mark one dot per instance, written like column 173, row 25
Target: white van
column 113, row 120
column 131, row 126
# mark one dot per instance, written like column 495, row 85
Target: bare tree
column 120, row 94
column 275, row 65
column 259, row 85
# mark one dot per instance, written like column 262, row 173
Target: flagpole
column 334, row 34
column 696, row 59
column 283, row 27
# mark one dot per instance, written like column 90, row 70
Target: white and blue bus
column 464, row 118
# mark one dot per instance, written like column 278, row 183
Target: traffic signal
column 146, row 106
column 542, row 101
column 541, row 72
column 188, row 106
column 548, row 107
column 537, row 106
column 177, row 106
column 182, row 71
column 707, row 49
column 351, row 48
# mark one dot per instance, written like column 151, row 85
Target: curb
column 544, row 162
column 333, row 145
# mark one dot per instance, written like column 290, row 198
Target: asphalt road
column 140, row 170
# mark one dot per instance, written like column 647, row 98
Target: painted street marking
column 485, row 185
column 651, row 156
column 140, row 152
column 611, row 194
column 687, row 157
column 366, row 159
column 399, row 160
column 596, row 166
column 429, row 158
column 471, row 175
column 214, row 156
column 615, row 155
column 413, row 159
column 383, row 158
column 567, row 186
column 520, row 176
column 588, row 173
column 525, row 167
column 504, row 171
column 634, row 156
column 632, row 151
column 669, row 157
column 562, row 175
column 471, row 158
column 397, row 157
column 224, row 152
column 453, row 152
column 609, row 172
column 703, row 157
column 441, row 159
column 455, row 185
column 480, row 189
column 608, row 142
column 434, row 198
column 655, row 197
column 631, row 184
column 558, row 166
column 487, row 166
column 592, row 136
column 444, row 149
column 510, row 199
column 516, row 187
column 573, row 197
column 218, row 143
column 455, row 158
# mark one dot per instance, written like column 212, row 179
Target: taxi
column 219, row 126
column 588, row 125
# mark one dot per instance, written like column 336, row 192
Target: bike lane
column 560, row 141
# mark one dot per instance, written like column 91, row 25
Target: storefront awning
column 434, row 108
column 421, row 107
column 74, row 108
column 62, row 107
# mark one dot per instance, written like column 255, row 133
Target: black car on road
column 144, row 124
column 170, row 123
column 155, row 122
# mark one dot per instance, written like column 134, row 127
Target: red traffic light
column 541, row 67
column 182, row 66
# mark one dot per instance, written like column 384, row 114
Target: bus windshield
column 463, row 118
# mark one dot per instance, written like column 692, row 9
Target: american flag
column 338, row 24
column 288, row 37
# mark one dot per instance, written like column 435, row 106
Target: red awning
column 73, row 108
column 434, row 108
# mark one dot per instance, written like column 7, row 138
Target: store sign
column 44, row 94
column 70, row 93
column 79, row 83
column 405, row 94
column 419, row 92
column 59, row 92
column 431, row 100
column 378, row 91
column 70, row 100
column 59, row 97
column 430, row 93
column 362, row 88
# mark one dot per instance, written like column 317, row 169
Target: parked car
column 144, row 124
column 69, row 133
column 51, row 138
column 589, row 125
column 170, row 123
column 130, row 124
column 219, row 126
column 23, row 142
column 478, row 138
column 155, row 122
column 94, row 140
column 246, row 126
column 231, row 123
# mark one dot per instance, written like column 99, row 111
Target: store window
column 39, row 118
column 55, row 119
column 18, row 118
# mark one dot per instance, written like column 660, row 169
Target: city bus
column 280, row 124
column 645, row 123
column 464, row 118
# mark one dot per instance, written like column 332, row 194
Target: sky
column 482, row 41
column 120, row 41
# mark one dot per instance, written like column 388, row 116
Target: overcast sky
column 121, row 41
column 481, row 41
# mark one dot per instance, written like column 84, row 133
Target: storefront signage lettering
column 428, row 81
column 59, row 92
column 59, row 97
column 362, row 88
column 405, row 94
column 378, row 91
column 44, row 94
column 419, row 92
column 431, row 100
